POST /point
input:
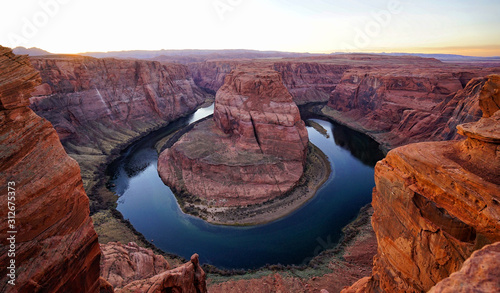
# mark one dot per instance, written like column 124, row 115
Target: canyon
column 98, row 106
column 435, row 203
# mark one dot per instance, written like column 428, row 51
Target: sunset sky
column 419, row 26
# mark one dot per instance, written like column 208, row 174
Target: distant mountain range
column 30, row 51
column 190, row 56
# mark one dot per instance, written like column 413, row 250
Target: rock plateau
column 253, row 150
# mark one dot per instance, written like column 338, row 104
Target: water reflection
column 359, row 145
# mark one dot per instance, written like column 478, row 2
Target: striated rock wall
column 435, row 203
column 306, row 80
column 98, row 105
column 252, row 151
column 398, row 107
column 56, row 248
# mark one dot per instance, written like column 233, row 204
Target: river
column 152, row 209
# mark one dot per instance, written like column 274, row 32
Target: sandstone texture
column 56, row 248
column 99, row 105
column 479, row 273
column 436, row 203
column 252, row 151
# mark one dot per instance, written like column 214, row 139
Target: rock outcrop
column 56, row 248
column 435, row 203
column 188, row 277
column 122, row 264
column 252, row 151
column 99, row 105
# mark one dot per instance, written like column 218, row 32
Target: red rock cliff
column 56, row 248
column 252, row 151
column 437, row 202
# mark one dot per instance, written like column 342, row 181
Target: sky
column 317, row 26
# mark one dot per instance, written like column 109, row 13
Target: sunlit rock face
column 253, row 150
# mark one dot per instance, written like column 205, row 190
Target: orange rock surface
column 252, row 151
column 479, row 273
column 56, row 248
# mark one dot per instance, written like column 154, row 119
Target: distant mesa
column 253, row 150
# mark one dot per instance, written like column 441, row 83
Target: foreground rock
column 56, row 248
column 123, row 264
column 253, row 150
column 130, row 268
column 435, row 203
column 189, row 278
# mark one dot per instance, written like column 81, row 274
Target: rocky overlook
column 253, row 150
column 437, row 202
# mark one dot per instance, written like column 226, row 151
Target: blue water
column 153, row 210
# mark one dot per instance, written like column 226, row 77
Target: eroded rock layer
column 435, row 203
column 252, row 151
column 56, row 248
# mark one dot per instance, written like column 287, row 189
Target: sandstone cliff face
column 252, row 151
column 56, row 248
column 435, row 203
column 97, row 105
